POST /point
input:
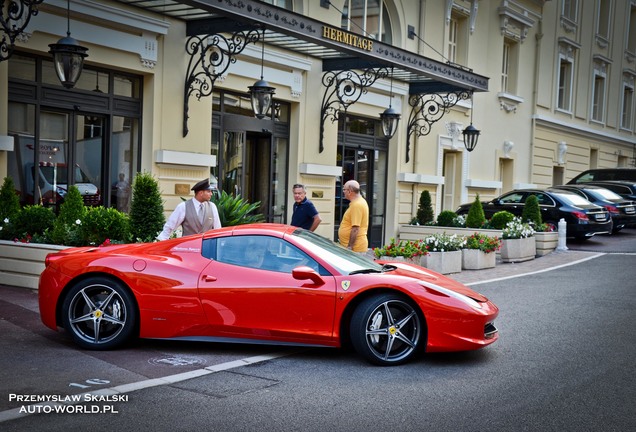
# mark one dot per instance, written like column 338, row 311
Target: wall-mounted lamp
column 68, row 55
column 471, row 133
column 261, row 92
column 390, row 117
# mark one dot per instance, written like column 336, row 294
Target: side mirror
column 307, row 273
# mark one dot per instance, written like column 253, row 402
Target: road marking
column 537, row 271
column 15, row 413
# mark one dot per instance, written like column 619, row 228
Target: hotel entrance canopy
column 250, row 21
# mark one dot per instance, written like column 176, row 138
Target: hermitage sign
column 346, row 38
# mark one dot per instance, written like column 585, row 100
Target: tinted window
column 544, row 199
column 259, row 252
column 513, row 198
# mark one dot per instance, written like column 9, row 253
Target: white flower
column 78, row 222
column 6, row 220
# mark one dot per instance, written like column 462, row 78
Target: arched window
column 367, row 17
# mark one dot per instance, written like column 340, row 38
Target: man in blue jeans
column 305, row 214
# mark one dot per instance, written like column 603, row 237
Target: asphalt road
column 565, row 361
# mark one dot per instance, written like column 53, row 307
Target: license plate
column 600, row 217
column 630, row 210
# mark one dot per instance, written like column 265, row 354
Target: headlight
column 450, row 293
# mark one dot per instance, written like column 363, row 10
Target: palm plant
column 234, row 210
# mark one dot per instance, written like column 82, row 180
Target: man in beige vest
column 196, row 215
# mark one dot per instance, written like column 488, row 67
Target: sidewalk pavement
column 547, row 262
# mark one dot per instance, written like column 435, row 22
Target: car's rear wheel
column 386, row 330
column 99, row 313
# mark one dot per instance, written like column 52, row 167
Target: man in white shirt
column 196, row 215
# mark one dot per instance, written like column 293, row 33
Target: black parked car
column 583, row 218
column 622, row 211
column 602, row 174
column 626, row 189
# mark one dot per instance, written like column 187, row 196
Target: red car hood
column 426, row 275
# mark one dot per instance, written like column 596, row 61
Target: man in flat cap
column 196, row 215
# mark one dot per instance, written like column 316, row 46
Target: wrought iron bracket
column 428, row 108
column 342, row 89
column 210, row 57
column 14, row 19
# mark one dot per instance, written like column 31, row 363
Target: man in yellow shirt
column 352, row 233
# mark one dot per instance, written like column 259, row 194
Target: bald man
column 352, row 233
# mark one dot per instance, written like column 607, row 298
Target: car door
column 248, row 291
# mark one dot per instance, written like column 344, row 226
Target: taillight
column 580, row 215
column 612, row 209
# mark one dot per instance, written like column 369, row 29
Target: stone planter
column 22, row 263
column 518, row 250
column 475, row 259
column 443, row 262
column 415, row 260
column 546, row 242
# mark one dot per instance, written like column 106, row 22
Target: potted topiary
column 476, row 217
column 546, row 240
column 425, row 213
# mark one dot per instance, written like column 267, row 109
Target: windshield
column 60, row 174
column 344, row 260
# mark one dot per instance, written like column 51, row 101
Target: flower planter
column 22, row 263
column 546, row 242
column 443, row 262
column 475, row 259
column 414, row 260
column 518, row 250
column 418, row 232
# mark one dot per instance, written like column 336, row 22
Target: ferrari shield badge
column 345, row 285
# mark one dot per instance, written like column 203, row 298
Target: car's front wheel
column 386, row 330
column 99, row 313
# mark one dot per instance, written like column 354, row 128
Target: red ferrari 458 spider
column 263, row 283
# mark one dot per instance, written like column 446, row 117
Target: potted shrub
column 545, row 238
column 425, row 213
column 404, row 250
column 518, row 241
column 476, row 217
column 480, row 251
column 444, row 253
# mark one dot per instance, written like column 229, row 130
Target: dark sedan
column 583, row 218
column 622, row 211
column 626, row 189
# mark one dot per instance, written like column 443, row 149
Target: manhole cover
column 176, row 361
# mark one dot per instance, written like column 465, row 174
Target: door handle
column 209, row 278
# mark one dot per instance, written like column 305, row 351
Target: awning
column 338, row 49
column 434, row 86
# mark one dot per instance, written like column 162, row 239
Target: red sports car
column 263, row 283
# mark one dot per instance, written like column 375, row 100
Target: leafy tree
column 425, row 210
column 531, row 211
column 234, row 210
column 146, row 209
column 476, row 216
